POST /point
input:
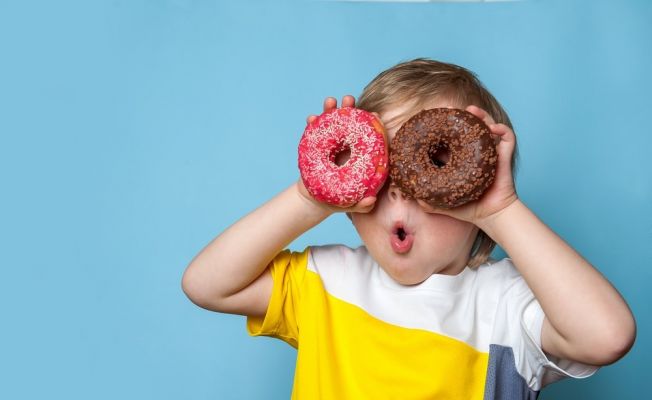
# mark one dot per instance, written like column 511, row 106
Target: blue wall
column 133, row 132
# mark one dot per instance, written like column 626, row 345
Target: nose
column 395, row 194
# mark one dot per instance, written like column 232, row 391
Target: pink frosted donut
column 343, row 131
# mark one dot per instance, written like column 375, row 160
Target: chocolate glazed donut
column 444, row 156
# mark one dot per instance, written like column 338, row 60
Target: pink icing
column 362, row 175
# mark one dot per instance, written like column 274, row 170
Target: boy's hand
column 331, row 103
column 501, row 193
column 363, row 206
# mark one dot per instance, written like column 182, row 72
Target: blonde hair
column 422, row 81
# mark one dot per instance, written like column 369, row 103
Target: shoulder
column 501, row 275
column 329, row 256
column 340, row 267
column 494, row 267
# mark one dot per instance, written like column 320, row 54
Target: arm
column 230, row 274
column 568, row 288
column 227, row 275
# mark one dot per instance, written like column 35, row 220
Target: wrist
column 313, row 207
column 491, row 225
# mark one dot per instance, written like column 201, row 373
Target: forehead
column 396, row 115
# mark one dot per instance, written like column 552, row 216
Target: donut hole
column 341, row 155
column 439, row 155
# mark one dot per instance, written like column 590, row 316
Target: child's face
column 408, row 243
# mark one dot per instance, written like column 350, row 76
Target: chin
column 404, row 275
column 410, row 282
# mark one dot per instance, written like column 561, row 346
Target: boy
column 440, row 320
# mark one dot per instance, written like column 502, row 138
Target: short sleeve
column 548, row 369
column 281, row 318
column 521, row 317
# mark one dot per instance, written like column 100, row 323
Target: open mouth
column 401, row 239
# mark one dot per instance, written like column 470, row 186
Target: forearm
column 241, row 253
column 578, row 301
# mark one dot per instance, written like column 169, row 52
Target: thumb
column 365, row 205
column 462, row 212
column 432, row 209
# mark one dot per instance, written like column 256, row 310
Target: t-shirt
column 362, row 335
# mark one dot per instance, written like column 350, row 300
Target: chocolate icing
column 444, row 156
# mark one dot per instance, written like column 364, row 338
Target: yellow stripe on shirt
column 345, row 353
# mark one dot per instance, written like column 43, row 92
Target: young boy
column 440, row 320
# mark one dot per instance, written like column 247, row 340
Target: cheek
column 450, row 230
column 363, row 223
column 368, row 227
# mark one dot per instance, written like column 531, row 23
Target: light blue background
column 133, row 132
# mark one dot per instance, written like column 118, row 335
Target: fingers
column 500, row 132
column 425, row 206
column 482, row 114
column 348, row 101
column 430, row 209
column 462, row 213
column 505, row 139
column 364, row 206
column 505, row 149
column 503, row 131
column 330, row 103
